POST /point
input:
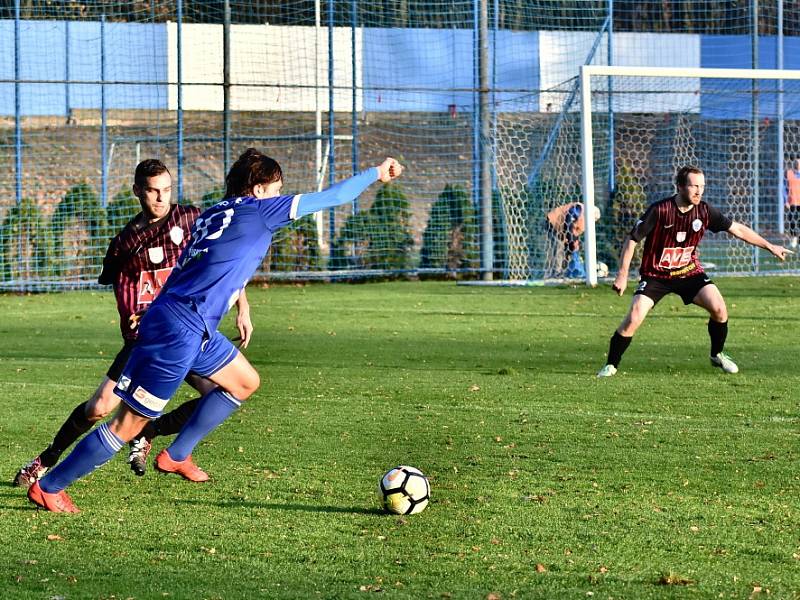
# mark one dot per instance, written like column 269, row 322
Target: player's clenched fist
column 389, row 170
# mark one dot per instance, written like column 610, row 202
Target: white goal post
column 660, row 92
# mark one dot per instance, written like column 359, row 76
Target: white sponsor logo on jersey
column 697, row 224
column 156, row 254
column 680, row 236
column 675, row 258
column 124, row 383
column 176, row 235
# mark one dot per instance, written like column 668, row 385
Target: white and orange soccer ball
column 404, row 490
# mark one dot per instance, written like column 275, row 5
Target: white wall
column 274, row 63
column 561, row 53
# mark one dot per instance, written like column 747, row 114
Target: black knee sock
column 172, row 422
column 717, row 332
column 616, row 348
column 74, row 427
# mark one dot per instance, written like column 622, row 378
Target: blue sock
column 93, row 451
column 214, row 408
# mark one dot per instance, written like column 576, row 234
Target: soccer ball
column 404, row 490
column 602, row 269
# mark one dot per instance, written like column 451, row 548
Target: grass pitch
column 670, row 480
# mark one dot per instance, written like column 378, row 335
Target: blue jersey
column 229, row 242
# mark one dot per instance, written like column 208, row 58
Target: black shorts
column 115, row 370
column 686, row 287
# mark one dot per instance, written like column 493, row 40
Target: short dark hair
column 151, row 167
column 252, row 168
column 682, row 178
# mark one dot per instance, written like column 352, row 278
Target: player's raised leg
column 168, row 424
column 237, row 380
column 710, row 298
column 640, row 307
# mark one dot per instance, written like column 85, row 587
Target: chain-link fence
column 329, row 88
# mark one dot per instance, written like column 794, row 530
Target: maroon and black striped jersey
column 671, row 237
column 140, row 258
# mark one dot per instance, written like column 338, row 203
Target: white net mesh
column 659, row 125
column 538, row 177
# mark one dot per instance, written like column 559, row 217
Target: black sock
column 172, row 422
column 616, row 348
column 74, row 427
column 717, row 332
column 148, row 431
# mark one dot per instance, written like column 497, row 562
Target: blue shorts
column 172, row 341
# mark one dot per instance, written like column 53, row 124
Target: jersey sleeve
column 111, row 264
column 644, row 225
column 279, row 211
column 717, row 221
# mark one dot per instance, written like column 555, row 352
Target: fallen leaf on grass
column 54, row 538
column 675, row 579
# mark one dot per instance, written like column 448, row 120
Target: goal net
column 620, row 136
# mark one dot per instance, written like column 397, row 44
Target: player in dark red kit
column 137, row 263
column 672, row 229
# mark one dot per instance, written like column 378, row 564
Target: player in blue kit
column 179, row 331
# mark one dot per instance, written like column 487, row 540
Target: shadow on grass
column 288, row 506
column 16, row 499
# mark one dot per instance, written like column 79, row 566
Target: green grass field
column 670, row 480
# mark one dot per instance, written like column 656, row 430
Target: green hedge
column 25, row 243
column 122, row 208
column 377, row 238
column 450, row 240
column 81, row 205
column 211, row 197
column 625, row 207
column 296, row 247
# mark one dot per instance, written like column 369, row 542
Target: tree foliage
column 296, row 247
column 80, row 206
column 687, row 16
column 377, row 238
column 25, row 243
column 450, row 241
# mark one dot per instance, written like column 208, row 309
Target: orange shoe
column 185, row 468
column 58, row 502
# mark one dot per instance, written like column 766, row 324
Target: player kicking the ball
column 138, row 261
column 672, row 229
column 179, row 333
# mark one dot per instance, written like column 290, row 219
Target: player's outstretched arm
column 621, row 280
column 349, row 189
column 744, row 233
